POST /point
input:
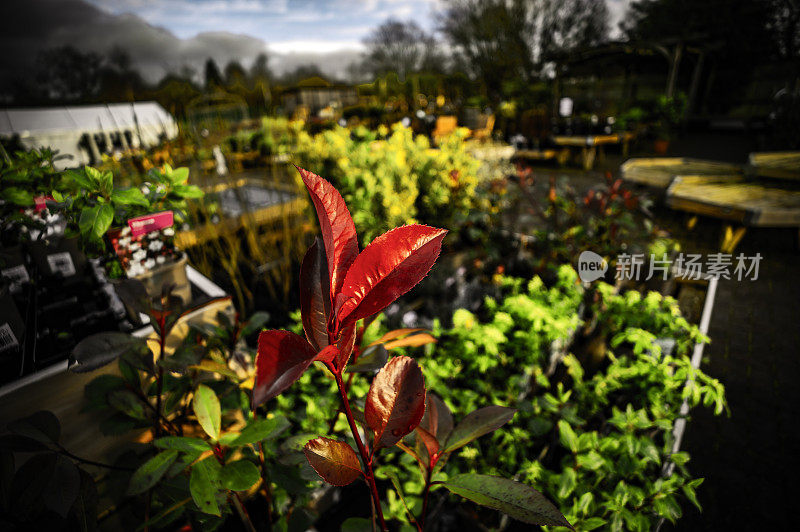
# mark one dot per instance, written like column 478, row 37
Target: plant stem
column 366, row 457
column 242, row 511
column 265, row 477
column 160, row 377
column 425, row 498
column 65, row 452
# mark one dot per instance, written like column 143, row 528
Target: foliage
column 593, row 424
column 668, row 114
column 390, row 179
column 88, row 198
column 43, row 484
column 339, row 287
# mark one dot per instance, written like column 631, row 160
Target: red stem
column 425, row 497
column 365, row 456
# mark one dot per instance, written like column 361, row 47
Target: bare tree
column 401, row 47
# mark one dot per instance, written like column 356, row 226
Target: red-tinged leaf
column 389, row 267
column 438, row 420
column 336, row 224
column 476, row 424
column 396, row 401
column 429, row 441
column 327, row 355
column 315, row 297
column 415, row 340
column 282, row 358
column 346, row 343
column 335, row 461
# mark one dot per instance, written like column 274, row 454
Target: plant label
column 151, row 222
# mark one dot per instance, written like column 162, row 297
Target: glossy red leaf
column 327, row 355
column 335, row 461
column 336, row 224
column 396, row 401
column 282, row 358
column 389, row 267
column 346, row 342
column 315, row 297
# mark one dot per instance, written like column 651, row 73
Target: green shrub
column 393, row 178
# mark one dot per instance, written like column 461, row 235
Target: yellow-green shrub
column 393, row 178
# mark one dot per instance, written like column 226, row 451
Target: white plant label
column 16, row 274
column 61, row 263
column 7, row 338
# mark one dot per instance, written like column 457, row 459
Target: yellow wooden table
column 658, row 172
column 592, row 146
column 777, row 165
column 736, row 200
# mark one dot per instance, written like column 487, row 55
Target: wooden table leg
column 589, row 155
column 731, row 238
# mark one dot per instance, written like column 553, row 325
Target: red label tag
column 40, row 202
column 151, row 222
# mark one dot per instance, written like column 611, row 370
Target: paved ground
column 749, row 460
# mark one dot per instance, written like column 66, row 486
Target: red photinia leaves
column 389, row 267
column 396, row 401
column 282, row 358
column 431, row 445
column 438, row 420
column 315, row 297
column 338, row 230
column 335, row 461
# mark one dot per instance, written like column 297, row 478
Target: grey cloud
column 29, row 26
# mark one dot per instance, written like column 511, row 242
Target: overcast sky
column 164, row 35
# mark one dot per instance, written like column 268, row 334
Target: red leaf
column 396, row 401
column 335, row 461
column 282, row 358
column 388, row 268
column 315, row 297
column 327, row 355
column 437, row 419
column 430, row 443
column 346, row 342
column 338, row 230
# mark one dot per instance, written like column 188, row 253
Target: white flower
column 149, row 264
column 155, row 245
column 125, row 231
column 169, row 231
column 161, row 259
column 139, row 255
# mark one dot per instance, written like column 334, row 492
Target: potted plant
column 142, row 217
column 668, row 114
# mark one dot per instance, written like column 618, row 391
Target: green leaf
column 63, row 488
column 151, row 472
column 592, row 523
column 106, row 182
column 255, row 323
column 130, row 196
column 42, row 426
column 179, row 176
column 239, row 475
column 476, row 424
column 95, row 221
column 17, row 196
column 81, row 178
column 188, row 191
column 567, row 436
column 99, row 349
column 512, row 498
column 357, row 524
column 206, row 408
column 190, row 446
column 261, row 429
column 203, row 485
column 128, row 403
